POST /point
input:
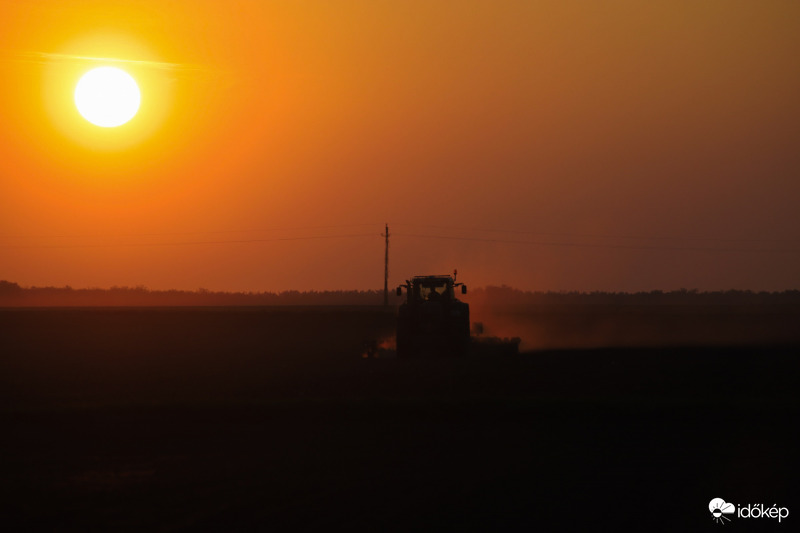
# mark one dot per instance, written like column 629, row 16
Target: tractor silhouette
column 432, row 322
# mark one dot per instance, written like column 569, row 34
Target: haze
column 618, row 145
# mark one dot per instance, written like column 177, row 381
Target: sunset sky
column 546, row 145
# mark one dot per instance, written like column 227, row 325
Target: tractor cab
column 421, row 289
column 432, row 322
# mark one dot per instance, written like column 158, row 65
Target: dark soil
column 253, row 419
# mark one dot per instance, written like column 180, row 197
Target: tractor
column 432, row 322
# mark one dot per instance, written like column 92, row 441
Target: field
column 209, row 419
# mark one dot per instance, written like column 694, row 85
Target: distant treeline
column 12, row 294
column 507, row 296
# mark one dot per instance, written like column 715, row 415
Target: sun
column 107, row 97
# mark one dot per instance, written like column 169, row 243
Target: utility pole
column 386, row 269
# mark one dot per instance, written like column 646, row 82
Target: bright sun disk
column 107, row 97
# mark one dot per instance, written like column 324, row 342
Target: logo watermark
column 719, row 508
column 722, row 511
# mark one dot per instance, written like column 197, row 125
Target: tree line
column 14, row 295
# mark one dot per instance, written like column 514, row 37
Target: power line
column 187, row 243
column 172, row 234
column 595, row 235
column 432, row 226
column 412, row 235
column 611, row 246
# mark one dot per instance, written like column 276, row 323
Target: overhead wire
column 169, row 234
column 186, row 243
column 726, row 249
column 606, row 246
column 595, row 235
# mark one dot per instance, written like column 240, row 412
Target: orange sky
column 618, row 145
